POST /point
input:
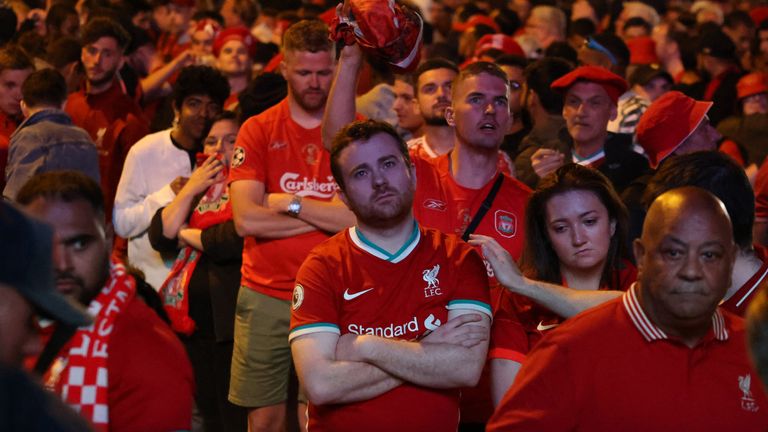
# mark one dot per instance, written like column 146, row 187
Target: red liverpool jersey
column 273, row 149
column 349, row 285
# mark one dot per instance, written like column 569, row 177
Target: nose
column 691, row 268
column 61, row 259
column 489, row 108
column 577, row 236
column 314, row 81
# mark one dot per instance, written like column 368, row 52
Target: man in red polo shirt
column 661, row 357
column 102, row 107
column 284, row 203
column 15, row 67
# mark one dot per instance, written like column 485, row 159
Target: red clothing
column 273, row 149
column 419, row 148
column 519, row 323
column 761, row 193
column 7, row 126
column 115, row 122
column 349, row 285
column 610, row 368
column 738, row 303
column 443, row 204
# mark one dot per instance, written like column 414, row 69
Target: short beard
column 373, row 219
column 103, row 81
column 435, row 121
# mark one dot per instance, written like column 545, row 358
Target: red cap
column 667, row 122
column 613, row 84
column 475, row 20
column 642, row 50
column 235, row 33
column 498, row 41
column 759, row 14
column 751, row 84
column 208, row 26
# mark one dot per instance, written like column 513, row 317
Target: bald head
column 684, row 258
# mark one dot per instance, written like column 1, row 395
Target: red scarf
column 80, row 374
column 214, row 208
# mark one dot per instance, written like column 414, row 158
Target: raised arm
column 252, row 218
column 328, row 380
column 340, row 107
column 451, row 356
column 563, row 301
column 176, row 213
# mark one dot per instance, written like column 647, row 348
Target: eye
column 361, row 173
column 79, row 244
column 474, row 99
column 672, row 254
column 590, row 221
column 389, row 163
column 711, row 255
column 559, row 229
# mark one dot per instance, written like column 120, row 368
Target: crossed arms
column 354, row 368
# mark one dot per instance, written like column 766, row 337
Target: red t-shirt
column 419, row 148
column 739, row 302
column 349, row 285
column 761, row 193
column 610, row 368
column 443, row 204
column 115, row 122
column 273, row 149
column 519, row 323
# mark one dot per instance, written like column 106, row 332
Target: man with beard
column 664, row 356
column 126, row 371
column 433, row 95
column 384, row 312
column 284, row 203
column 101, row 107
column 159, row 164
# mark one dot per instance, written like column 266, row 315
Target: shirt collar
column 650, row 331
column 363, row 243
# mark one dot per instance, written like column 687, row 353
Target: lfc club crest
column 505, row 223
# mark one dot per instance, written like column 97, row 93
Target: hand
column 348, row 348
column 504, row 267
column 545, row 161
column 178, row 183
column 204, row 176
column 459, row 331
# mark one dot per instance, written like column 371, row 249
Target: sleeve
column 544, row 394
column 523, row 169
column 509, row 340
column 314, row 305
column 134, row 206
column 151, row 384
column 157, row 239
column 250, row 154
column 221, row 242
column 23, row 163
column 472, row 290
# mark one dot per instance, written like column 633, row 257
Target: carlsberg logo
column 290, row 183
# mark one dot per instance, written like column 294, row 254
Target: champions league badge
column 298, row 297
column 238, row 157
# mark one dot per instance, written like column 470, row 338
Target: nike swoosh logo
column 348, row 296
column 542, row 327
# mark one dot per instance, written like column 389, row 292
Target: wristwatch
column 294, row 207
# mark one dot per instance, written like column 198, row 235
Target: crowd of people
column 366, row 215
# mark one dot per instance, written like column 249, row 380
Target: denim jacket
column 47, row 141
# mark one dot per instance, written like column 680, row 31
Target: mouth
column 67, row 286
column 488, row 126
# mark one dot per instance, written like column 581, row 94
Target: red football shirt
column 273, row 149
column 611, row 368
column 349, row 285
column 740, row 300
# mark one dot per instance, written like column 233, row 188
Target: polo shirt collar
column 650, row 331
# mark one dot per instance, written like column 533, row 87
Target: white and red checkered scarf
column 79, row 374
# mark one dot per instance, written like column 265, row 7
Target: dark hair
column 562, row 50
column 361, row 131
column 200, row 80
column 247, row 11
column 538, row 77
column 307, row 35
column 208, row 14
column 45, row 87
column 225, row 115
column 508, row 21
column 100, row 27
column 63, row 51
column 432, row 64
column 475, row 69
column 539, row 259
column 738, row 17
column 583, row 27
column 13, row 58
column 57, row 14
column 616, row 46
column 66, row 186
column 262, row 93
column 717, row 173
column 8, row 23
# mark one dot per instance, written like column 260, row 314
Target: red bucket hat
column 751, row 84
column 382, row 28
column 613, row 84
column 208, row 26
column 475, row 20
column 642, row 50
column 667, row 122
column 235, row 33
